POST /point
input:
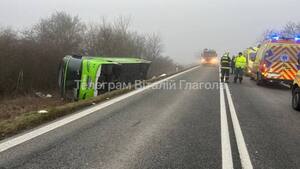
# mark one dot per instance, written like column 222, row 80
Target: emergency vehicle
column 276, row 60
column 249, row 54
column 296, row 92
column 209, row 57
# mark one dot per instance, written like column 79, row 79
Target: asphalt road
column 270, row 126
column 173, row 127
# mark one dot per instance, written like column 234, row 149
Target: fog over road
column 186, row 27
column 175, row 128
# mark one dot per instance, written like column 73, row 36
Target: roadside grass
column 29, row 120
column 32, row 119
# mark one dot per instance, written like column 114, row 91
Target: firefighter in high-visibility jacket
column 240, row 64
column 225, row 67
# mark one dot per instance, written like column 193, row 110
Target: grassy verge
column 33, row 119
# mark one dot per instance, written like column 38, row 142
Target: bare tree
column 8, row 59
column 31, row 58
column 41, row 48
column 154, row 46
column 290, row 30
column 61, row 30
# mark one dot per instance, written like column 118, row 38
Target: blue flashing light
column 275, row 37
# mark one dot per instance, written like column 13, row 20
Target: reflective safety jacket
column 225, row 62
column 240, row 62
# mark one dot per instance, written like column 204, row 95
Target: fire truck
column 209, row 57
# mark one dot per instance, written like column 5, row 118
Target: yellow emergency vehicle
column 276, row 60
column 250, row 54
column 296, row 90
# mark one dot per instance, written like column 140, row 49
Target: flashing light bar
column 277, row 38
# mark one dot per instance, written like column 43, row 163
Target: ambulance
column 296, row 90
column 276, row 60
column 249, row 54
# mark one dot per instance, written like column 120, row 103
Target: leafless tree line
column 290, row 30
column 29, row 59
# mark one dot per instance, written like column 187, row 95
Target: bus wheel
column 296, row 99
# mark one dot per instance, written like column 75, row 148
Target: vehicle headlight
column 214, row 60
column 272, row 75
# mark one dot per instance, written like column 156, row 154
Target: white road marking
column 7, row 144
column 244, row 155
column 226, row 147
column 225, row 139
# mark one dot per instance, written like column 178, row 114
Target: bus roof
column 113, row 60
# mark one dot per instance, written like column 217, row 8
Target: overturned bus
column 83, row 77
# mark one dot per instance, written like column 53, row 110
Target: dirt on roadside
column 11, row 107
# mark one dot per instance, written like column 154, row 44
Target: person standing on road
column 240, row 64
column 225, row 67
column 232, row 64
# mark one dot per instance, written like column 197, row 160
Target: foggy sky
column 186, row 26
